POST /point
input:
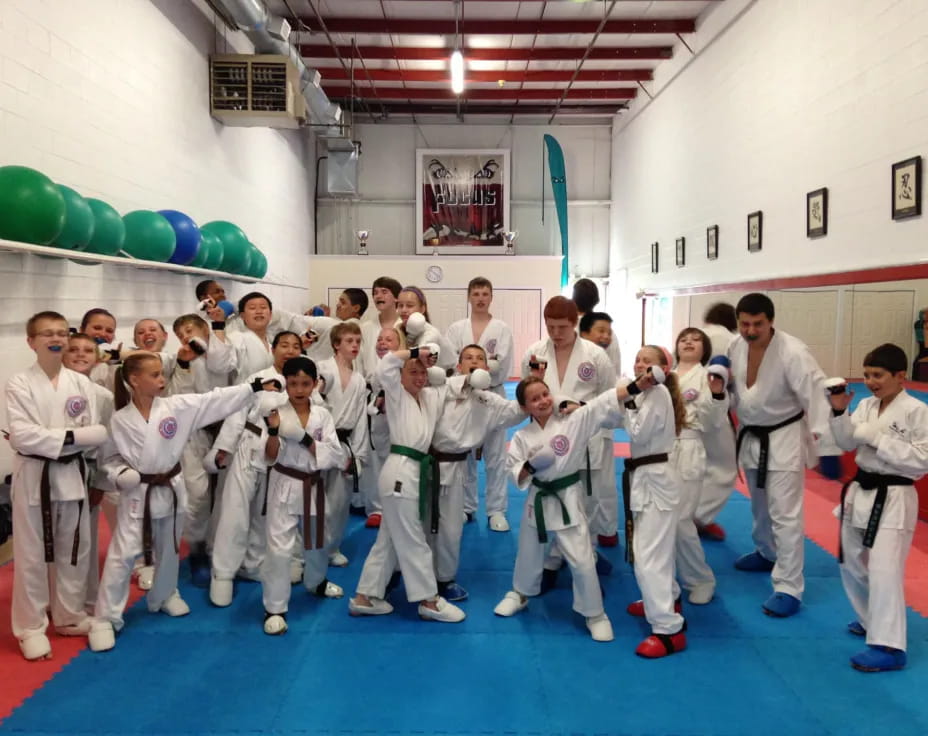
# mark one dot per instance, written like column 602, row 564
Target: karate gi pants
column 779, row 526
column 496, row 494
column 338, row 492
column 712, row 498
column 283, row 535
column 241, row 536
column 369, row 492
column 446, row 544
column 196, row 479
column 653, row 546
column 40, row 587
column 602, row 507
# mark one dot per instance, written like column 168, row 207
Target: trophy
column 509, row 237
column 363, row 235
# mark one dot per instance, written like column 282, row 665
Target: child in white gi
column 346, row 399
column 545, row 458
column 240, row 540
column 53, row 416
column 405, row 493
column 302, row 444
column 420, row 330
column 651, row 491
column 495, row 337
column 100, row 325
column 706, row 403
column 879, row 507
column 142, row 458
column 384, row 292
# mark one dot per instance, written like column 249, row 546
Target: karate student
column 53, row 417
column 545, row 458
column 419, row 329
column 706, row 403
column 586, row 297
column 100, row 325
column 879, row 506
column 301, row 444
column 81, row 357
column 384, row 293
column 389, row 340
column 404, row 488
column 576, row 370
column 469, row 414
column 495, row 337
column 346, row 399
column 779, row 395
column 240, row 538
column 351, row 305
column 142, row 458
column 150, row 335
column 213, row 370
column 651, row 493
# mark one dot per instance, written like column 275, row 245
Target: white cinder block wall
column 794, row 96
column 387, row 183
column 111, row 99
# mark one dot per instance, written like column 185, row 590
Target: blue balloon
column 188, row 236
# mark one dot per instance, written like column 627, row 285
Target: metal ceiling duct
column 254, row 19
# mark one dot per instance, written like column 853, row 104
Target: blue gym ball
column 188, row 236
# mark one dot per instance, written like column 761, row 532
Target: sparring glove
column 835, row 386
column 110, row 352
column 434, row 351
column 209, row 462
column 479, row 379
column 415, row 324
column 92, row 436
column 268, row 401
column 541, row 458
column 258, row 384
column 291, row 430
column 198, row 345
column 867, row 433
column 128, row 478
column 436, row 376
column 716, row 369
column 493, row 367
column 658, row 373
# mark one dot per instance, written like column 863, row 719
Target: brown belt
column 253, row 428
column 152, row 480
column 309, row 481
column 45, row 503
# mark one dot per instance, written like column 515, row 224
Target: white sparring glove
column 433, row 349
column 198, row 345
column 372, row 410
column 658, row 373
column 112, row 353
column 436, row 376
column 291, row 430
column 867, row 433
column 268, row 401
column 835, row 385
column 541, row 458
column 209, row 462
column 92, row 436
column 128, row 478
column 718, row 370
column 493, row 366
column 415, row 324
column 479, row 379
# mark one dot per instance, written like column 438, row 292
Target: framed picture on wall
column 907, row 188
column 681, row 251
column 462, row 201
column 755, row 231
column 655, row 265
column 712, row 242
column 817, row 213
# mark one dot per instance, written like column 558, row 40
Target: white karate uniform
column 252, row 354
column 285, row 507
column 466, row 419
column 284, row 321
column 788, row 381
column 241, row 528
column 719, row 339
column 154, row 446
column 655, row 506
column 496, row 340
column 401, row 537
column 39, row 416
column 874, row 578
column 568, row 436
column 348, row 407
column 589, row 372
column 704, row 414
column 447, row 358
column 99, row 481
column 379, row 443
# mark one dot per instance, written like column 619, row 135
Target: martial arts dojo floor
column 215, row 672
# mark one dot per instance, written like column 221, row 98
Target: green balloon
column 149, row 236
column 109, row 232
column 78, row 221
column 208, row 243
column 259, row 269
column 235, row 245
column 214, row 258
column 32, row 209
column 245, row 270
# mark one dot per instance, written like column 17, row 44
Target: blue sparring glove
column 227, row 307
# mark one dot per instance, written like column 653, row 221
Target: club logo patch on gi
column 491, row 347
column 168, row 428
column 560, row 444
column 586, row 371
column 75, row 405
column 691, row 394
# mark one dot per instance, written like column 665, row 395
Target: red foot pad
column 712, row 531
column 608, row 541
column 636, row 608
column 373, row 521
column 660, row 645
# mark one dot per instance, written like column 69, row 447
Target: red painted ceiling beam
column 415, row 53
column 473, row 26
column 509, row 109
column 440, row 75
column 423, row 93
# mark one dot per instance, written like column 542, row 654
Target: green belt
column 551, row 488
column 426, row 462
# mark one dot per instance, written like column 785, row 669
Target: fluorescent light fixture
column 457, row 72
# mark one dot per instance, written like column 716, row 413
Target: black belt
column 45, row 503
column 630, row 464
column 869, row 481
column 310, row 480
column 152, row 480
column 344, row 436
column 448, row 457
column 213, row 430
column 763, row 434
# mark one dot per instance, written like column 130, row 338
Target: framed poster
column 907, row 188
column 462, row 201
column 817, row 213
column 755, row 231
column 712, row 242
column 655, row 254
column 681, row 252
